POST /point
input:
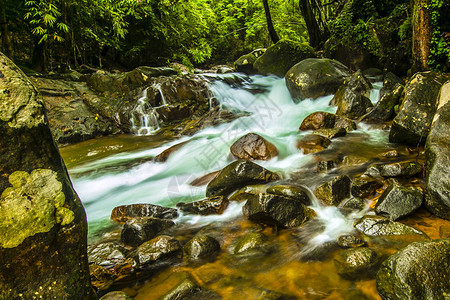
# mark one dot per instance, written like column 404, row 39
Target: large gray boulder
column 419, row 271
column 397, row 201
column 315, row 77
column 280, row 57
column 43, row 229
column 437, row 152
column 412, row 124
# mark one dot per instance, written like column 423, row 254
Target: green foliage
column 440, row 48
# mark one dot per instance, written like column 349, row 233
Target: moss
column 34, row 204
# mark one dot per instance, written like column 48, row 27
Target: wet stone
column 201, row 247
column 252, row 243
column 116, row 295
column 290, row 191
column 331, row 133
column 207, row 206
column 105, row 254
column 137, row 231
column 397, row 201
column 334, row 191
column 156, row 250
column 325, row 166
column 381, row 226
column 351, row 241
column 253, row 147
column 365, row 187
column 355, row 203
column 356, row 263
column 313, row 143
column 401, row 169
column 123, row 213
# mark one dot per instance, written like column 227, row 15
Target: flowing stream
column 125, row 173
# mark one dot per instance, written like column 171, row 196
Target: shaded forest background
column 57, row 35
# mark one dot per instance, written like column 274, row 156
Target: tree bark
column 421, row 35
column 6, row 41
column 314, row 32
column 272, row 33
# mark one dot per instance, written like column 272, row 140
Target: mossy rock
column 245, row 63
column 280, row 57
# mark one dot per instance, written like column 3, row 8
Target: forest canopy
column 53, row 34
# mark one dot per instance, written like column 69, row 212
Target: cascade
column 144, row 120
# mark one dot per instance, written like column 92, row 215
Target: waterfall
column 144, row 119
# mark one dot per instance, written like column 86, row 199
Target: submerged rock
column 164, row 156
column 43, row 228
column 138, row 230
column 381, row 226
column 334, row 191
column 313, row 143
column 281, row 56
column 419, row 271
column 437, row 152
column 412, row 124
column 397, row 202
column 201, row 247
column 253, row 243
column 154, row 251
column 331, row 133
column 314, row 77
column 357, row 263
column 276, row 210
column 290, row 191
column 116, row 295
column 123, row 213
column 236, row 175
column 253, row 147
column 208, row 206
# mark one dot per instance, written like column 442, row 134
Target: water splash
column 144, row 119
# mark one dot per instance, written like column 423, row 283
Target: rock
column 183, row 290
column 312, row 143
column 314, row 78
column 116, row 295
column 373, row 74
column 275, row 210
column 381, row 226
column 444, row 232
column 334, row 191
column 155, row 250
column 356, row 263
column 252, row 243
column 280, row 57
column 351, row 105
column 43, row 226
column 365, row 187
column 357, row 83
column 245, row 63
column 164, row 156
column 401, row 169
column 350, row 241
column 207, row 206
column 390, row 95
column 355, row 203
column 201, row 247
column 324, row 120
column 325, row 166
column 331, row 133
column 140, row 75
column 290, row 191
column 138, row 230
column 204, row 180
column 236, row 175
column 437, row 153
column 412, row 124
column 105, row 254
column 123, row 213
column 253, row 147
column 397, row 202
column 419, row 271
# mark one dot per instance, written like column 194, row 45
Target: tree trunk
column 421, row 35
column 6, row 41
column 39, row 60
column 314, row 32
column 272, row 33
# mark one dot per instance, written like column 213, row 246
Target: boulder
column 252, row 244
column 155, row 250
column 290, row 191
column 437, row 152
column 245, row 63
column 123, row 213
column 390, row 95
column 314, row 78
column 313, row 143
column 356, row 263
column 401, row 169
column 236, row 175
column 201, row 247
column 106, row 254
column 381, row 226
column 275, row 210
column 138, row 230
column 397, row 201
column 351, row 105
column 365, row 187
column 331, row 133
column 43, row 227
column 325, row 120
column 208, row 206
column 116, row 295
column 412, row 124
column 419, row 271
column 334, row 191
column 280, row 57
column 253, row 147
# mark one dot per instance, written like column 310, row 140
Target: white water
column 144, row 120
column 272, row 114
